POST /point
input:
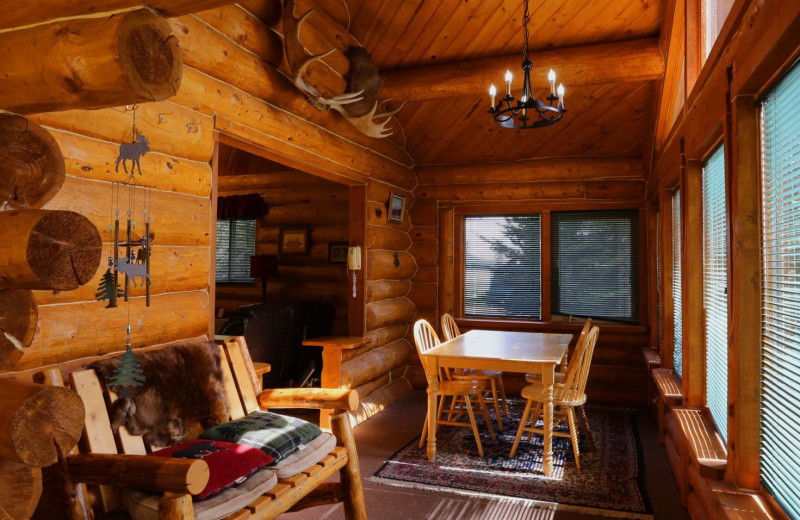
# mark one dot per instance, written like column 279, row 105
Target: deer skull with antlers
column 360, row 105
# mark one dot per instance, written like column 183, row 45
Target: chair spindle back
column 578, row 369
column 449, row 327
column 425, row 338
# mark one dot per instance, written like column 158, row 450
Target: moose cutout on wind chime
column 129, row 197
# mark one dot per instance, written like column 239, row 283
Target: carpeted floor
column 383, row 435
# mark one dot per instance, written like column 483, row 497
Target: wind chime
column 129, row 198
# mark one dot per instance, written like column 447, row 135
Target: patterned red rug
column 609, row 482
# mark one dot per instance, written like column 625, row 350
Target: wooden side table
column 332, row 350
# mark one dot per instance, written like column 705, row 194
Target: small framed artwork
column 294, row 241
column 337, row 252
column 397, row 204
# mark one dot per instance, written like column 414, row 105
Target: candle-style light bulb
column 551, row 76
column 561, row 94
column 508, row 82
column 492, row 93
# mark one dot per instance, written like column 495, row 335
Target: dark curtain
column 247, row 206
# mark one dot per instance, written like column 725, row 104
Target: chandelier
column 527, row 112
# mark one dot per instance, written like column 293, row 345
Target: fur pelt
column 181, row 397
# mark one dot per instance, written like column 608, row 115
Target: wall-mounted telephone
column 354, row 264
column 354, row 258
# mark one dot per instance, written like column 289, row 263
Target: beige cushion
column 143, row 505
column 306, row 457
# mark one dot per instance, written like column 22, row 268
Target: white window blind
column 780, row 306
column 677, row 310
column 715, row 288
column 236, row 243
column 595, row 264
column 502, row 266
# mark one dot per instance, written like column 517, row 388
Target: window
column 595, row 264
column 502, row 266
column 677, row 310
column 236, row 243
column 780, row 285
column 714, row 14
column 715, row 288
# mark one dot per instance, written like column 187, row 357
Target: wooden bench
column 101, row 463
column 668, row 387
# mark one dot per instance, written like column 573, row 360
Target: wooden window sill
column 705, row 447
column 545, row 326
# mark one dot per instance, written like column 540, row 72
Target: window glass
column 595, row 264
column 236, row 243
column 677, row 290
column 502, row 267
column 715, row 288
column 780, row 285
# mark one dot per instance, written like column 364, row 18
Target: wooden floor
column 380, row 437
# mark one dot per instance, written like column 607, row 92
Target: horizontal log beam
column 610, row 191
column 531, row 170
column 134, row 59
column 334, row 398
column 635, row 60
column 139, row 471
column 17, row 13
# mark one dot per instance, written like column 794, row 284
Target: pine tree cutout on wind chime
column 129, row 372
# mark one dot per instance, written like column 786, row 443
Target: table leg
column 547, row 382
column 433, row 385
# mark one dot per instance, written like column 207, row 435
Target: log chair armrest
column 334, row 398
column 163, row 474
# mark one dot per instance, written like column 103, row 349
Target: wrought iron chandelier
column 527, row 112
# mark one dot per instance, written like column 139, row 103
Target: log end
column 31, row 164
column 53, row 415
column 20, row 490
column 18, row 317
column 64, row 250
column 150, row 55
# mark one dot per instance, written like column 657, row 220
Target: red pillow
column 229, row 464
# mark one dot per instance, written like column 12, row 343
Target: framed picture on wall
column 337, row 252
column 397, row 205
column 294, row 241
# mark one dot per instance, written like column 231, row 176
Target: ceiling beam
column 635, row 60
column 628, row 167
column 18, row 13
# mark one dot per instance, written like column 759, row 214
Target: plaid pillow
column 276, row 435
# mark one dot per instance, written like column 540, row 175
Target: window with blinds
column 780, row 306
column 677, row 309
column 715, row 288
column 502, row 266
column 595, row 264
column 658, row 279
column 236, row 243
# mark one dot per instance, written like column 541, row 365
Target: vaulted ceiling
column 610, row 111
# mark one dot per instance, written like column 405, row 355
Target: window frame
column 227, row 280
column 546, row 321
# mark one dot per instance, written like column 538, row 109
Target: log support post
column 350, row 475
column 333, row 349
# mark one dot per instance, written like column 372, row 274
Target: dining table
column 506, row 351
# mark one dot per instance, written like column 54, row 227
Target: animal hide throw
column 181, row 397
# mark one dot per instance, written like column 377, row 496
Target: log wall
column 301, row 201
column 228, row 89
column 378, row 369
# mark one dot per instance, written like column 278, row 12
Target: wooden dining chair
column 561, row 372
column 566, row 396
column 459, row 391
column 493, row 377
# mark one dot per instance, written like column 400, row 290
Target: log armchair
column 117, row 463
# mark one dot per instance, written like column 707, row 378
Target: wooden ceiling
column 605, row 118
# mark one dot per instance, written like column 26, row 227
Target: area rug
column 609, row 482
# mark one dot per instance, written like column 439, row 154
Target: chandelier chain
column 525, row 33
